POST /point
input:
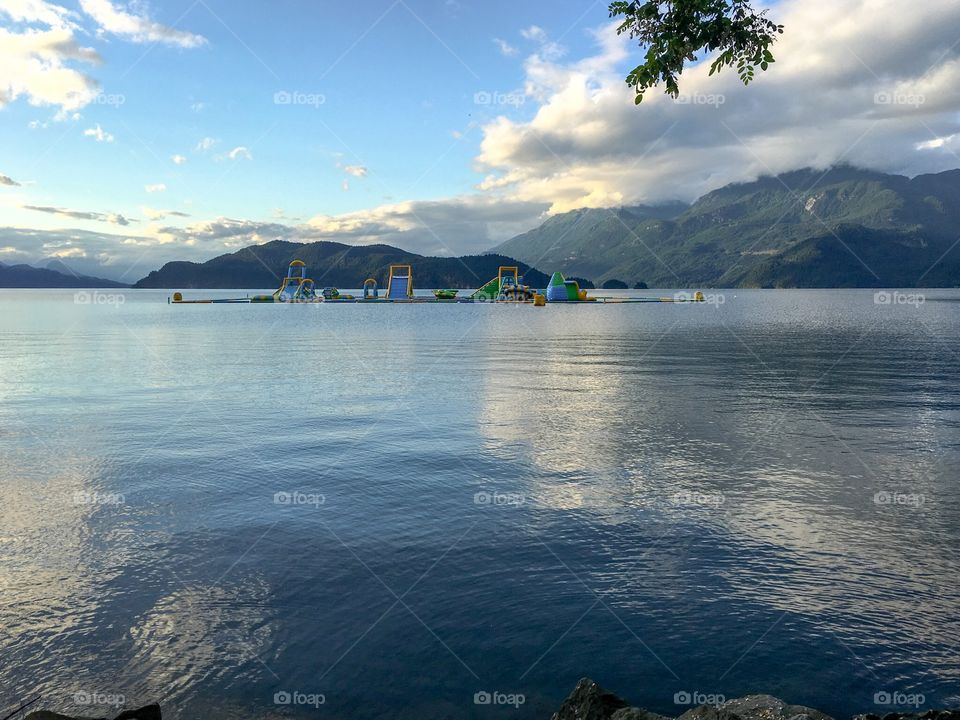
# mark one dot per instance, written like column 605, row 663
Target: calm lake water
column 394, row 508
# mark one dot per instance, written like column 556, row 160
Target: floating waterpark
column 506, row 287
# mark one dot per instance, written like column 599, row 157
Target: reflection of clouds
column 768, row 443
column 195, row 635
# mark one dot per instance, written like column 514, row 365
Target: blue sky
column 135, row 133
column 393, row 84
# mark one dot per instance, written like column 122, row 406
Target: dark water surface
column 720, row 499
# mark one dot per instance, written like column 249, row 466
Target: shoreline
column 591, row 701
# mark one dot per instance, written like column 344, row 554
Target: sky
column 135, row 133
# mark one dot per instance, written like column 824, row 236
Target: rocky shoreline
column 590, row 701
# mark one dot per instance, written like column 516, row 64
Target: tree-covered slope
column 778, row 231
column 330, row 264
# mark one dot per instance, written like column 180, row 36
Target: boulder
column 754, row 707
column 633, row 713
column 589, row 701
column 927, row 715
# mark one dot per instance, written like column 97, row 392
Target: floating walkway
column 506, row 287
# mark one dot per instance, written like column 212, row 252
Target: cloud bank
column 856, row 81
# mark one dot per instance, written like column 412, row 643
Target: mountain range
column 842, row 228
column 331, row 264
column 53, row 276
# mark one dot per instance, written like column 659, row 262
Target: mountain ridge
column 777, row 231
column 26, row 276
column 330, row 264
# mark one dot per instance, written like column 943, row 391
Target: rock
column 754, row 707
column 633, row 713
column 589, row 701
column 927, row 715
column 149, row 712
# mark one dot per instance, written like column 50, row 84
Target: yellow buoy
column 177, row 297
column 698, row 297
column 539, row 300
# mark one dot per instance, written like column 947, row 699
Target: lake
column 349, row 511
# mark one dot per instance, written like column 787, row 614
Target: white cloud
column 155, row 187
column 37, row 11
column 108, row 217
column 505, row 48
column 458, row 225
column 155, row 214
column 240, row 153
column 98, row 134
column 206, row 144
column 849, row 85
column 534, row 33
column 7, row 180
column 118, row 21
column 355, row 170
column 179, row 159
column 548, row 49
column 35, row 64
column 41, row 60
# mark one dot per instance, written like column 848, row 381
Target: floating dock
column 506, row 287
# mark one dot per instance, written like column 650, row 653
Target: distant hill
column 330, row 264
column 801, row 229
column 27, row 276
